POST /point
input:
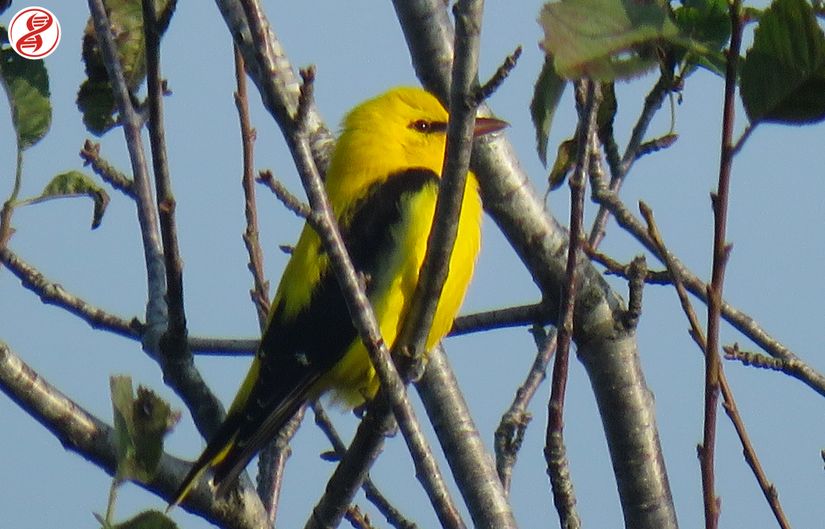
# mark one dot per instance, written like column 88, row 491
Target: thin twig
column 744, row 137
column 357, row 519
column 511, row 429
column 292, row 202
column 732, row 352
column 768, row 489
column 518, row 316
column 270, row 69
column 615, row 268
column 90, row 153
column 743, row 322
column 653, row 102
column 54, row 294
column 656, row 145
column 273, row 457
column 555, row 456
column 637, row 273
column 373, row 494
column 260, row 286
column 721, row 250
column 353, row 468
column 222, row 346
column 503, row 71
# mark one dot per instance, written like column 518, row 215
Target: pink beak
column 488, row 125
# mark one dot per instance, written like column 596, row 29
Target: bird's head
column 402, row 128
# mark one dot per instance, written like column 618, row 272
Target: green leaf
column 148, row 520
column 95, row 99
column 153, row 419
column 140, row 425
column 605, row 39
column 122, row 397
column 546, row 97
column 26, row 83
column 706, row 22
column 783, row 76
column 72, row 184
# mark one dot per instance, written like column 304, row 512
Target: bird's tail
column 236, row 442
column 220, row 447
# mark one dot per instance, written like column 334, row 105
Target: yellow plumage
column 382, row 184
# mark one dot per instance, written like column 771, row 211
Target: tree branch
column 738, row 319
column 260, row 286
column 88, row 436
column 555, row 453
column 132, row 123
column 392, row 515
column 721, row 251
column 180, row 372
column 54, row 294
column 610, row 357
column 768, row 490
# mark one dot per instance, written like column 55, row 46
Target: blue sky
column 774, row 274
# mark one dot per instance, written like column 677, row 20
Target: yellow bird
column 382, row 184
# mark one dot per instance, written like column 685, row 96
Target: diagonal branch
column 54, row 294
column 393, row 515
column 738, row 319
column 768, row 490
column 93, row 439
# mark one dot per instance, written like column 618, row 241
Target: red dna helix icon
column 31, row 42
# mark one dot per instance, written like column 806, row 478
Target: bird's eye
column 420, row 125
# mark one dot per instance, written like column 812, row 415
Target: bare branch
column 271, row 463
column 768, row 490
column 513, row 424
column 270, row 70
column 738, row 319
column 132, row 123
column 260, row 286
column 358, row 519
column 352, row 470
column 637, row 273
column 292, row 203
column 223, row 346
column 54, row 294
column 471, row 465
column 721, row 251
column 620, row 167
column 392, row 515
column 94, row 440
column 555, row 453
column 486, row 90
column 518, row 316
column 90, row 153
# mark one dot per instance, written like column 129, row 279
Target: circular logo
column 34, row 32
